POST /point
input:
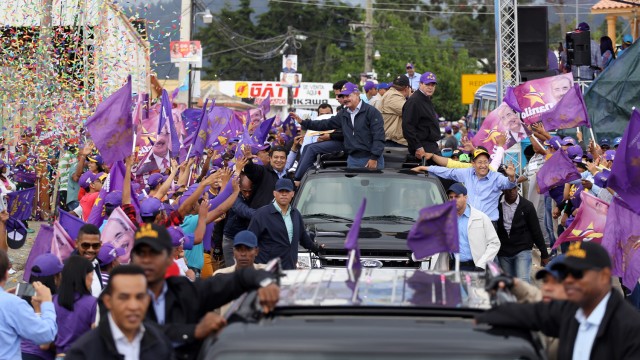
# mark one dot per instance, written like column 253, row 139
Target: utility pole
column 291, row 50
column 185, row 35
column 368, row 37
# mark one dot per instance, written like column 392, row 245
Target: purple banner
column 569, row 113
column 536, row 97
column 622, row 241
column 501, row 122
column 70, row 223
column 20, row 203
column 625, row 172
column 41, row 245
column 558, row 170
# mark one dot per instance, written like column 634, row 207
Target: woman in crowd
column 75, row 307
column 606, row 51
column 46, row 269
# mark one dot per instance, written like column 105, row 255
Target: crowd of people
column 205, row 232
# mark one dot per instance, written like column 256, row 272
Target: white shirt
column 508, row 211
column 353, row 114
column 96, row 283
column 130, row 350
column 588, row 329
column 159, row 160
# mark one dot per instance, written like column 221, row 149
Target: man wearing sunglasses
column 594, row 323
column 88, row 246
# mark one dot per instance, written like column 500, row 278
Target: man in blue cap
column 279, row 228
column 627, row 40
column 361, row 125
column 420, row 125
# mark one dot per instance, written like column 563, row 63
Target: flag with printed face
column 120, row 232
column 589, row 223
column 503, row 122
column 568, row 113
column 61, row 243
column 111, row 126
column 20, row 203
column 70, row 223
column 435, row 231
column 535, row 98
column 41, row 245
column 289, row 129
column 622, row 241
column 558, row 170
column 625, row 172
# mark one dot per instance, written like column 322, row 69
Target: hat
column 369, row 85
column 547, row 269
column 155, row 236
column 85, row 180
column 108, row 253
column 567, row 140
column 600, row 179
column 48, row 264
column 177, row 236
column 584, row 255
column 589, row 156
column 446, row 152
column 617, row 141
column 257, row 148
column 455, row 124
column 284, row 184
column 447, row 130
column 96, row 159
column 150, row 207
column 610, row 155
column 555, row 142
column 156, row 179
column 409, row 66
column 348, row 89
column 401, row 80
column 605, row 141
column 113, row 198
column 464, row 158
column 16, row 233
column 458, row 189
column 583, row 26
column 480, row 152
column 246, row 238
column 627, row 38
column 428, row 78
column 575, row 153
column 383, row 86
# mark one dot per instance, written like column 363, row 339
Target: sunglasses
column 86, row 246
column 341, row 96
column 575, row 273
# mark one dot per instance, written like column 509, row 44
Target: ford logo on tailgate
column 371, row 264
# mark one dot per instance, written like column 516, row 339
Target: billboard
column 471, row 83
column 185, row 51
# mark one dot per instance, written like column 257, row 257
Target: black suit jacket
column 98, row 344
column 187, row 302
column 525, row 230
column 617, row 336
column 264, row 179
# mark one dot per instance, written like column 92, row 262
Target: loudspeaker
column 533, row 38
column 579, row 48
column 532, row 75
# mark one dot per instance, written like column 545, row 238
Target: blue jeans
column 548, row 220
column 517, row 266
column 310, row 153
column 359, row 162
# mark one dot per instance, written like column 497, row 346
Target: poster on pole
column 289, row 76
column 186, row 51
column 290, row 80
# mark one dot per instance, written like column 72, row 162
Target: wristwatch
column 266, row 282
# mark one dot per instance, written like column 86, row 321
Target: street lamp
column 207, row 17
column 376, row 55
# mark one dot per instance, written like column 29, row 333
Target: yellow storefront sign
column 471, row 83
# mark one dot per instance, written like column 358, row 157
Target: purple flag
column 114, row 182
column 191, row 120
column 245, row 143
column 351, row 242
column 625, row 172
column 166, row 115
column 261, row 134
column 265, row 106
column 61, row 243
column 569, row 112
column 111, row 126
column 622, row 241
column 589, row 223
column 218, row 119
column 289, row 129
column 558, row 170
column 190, row 147
column 20, row 203
column 510, row 99
column 70, row 223
column 41, row 245
column 435, row 231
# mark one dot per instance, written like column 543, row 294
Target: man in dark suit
column 594, row 323
column 122, row 333
column 280, row 228
column 518, row 230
